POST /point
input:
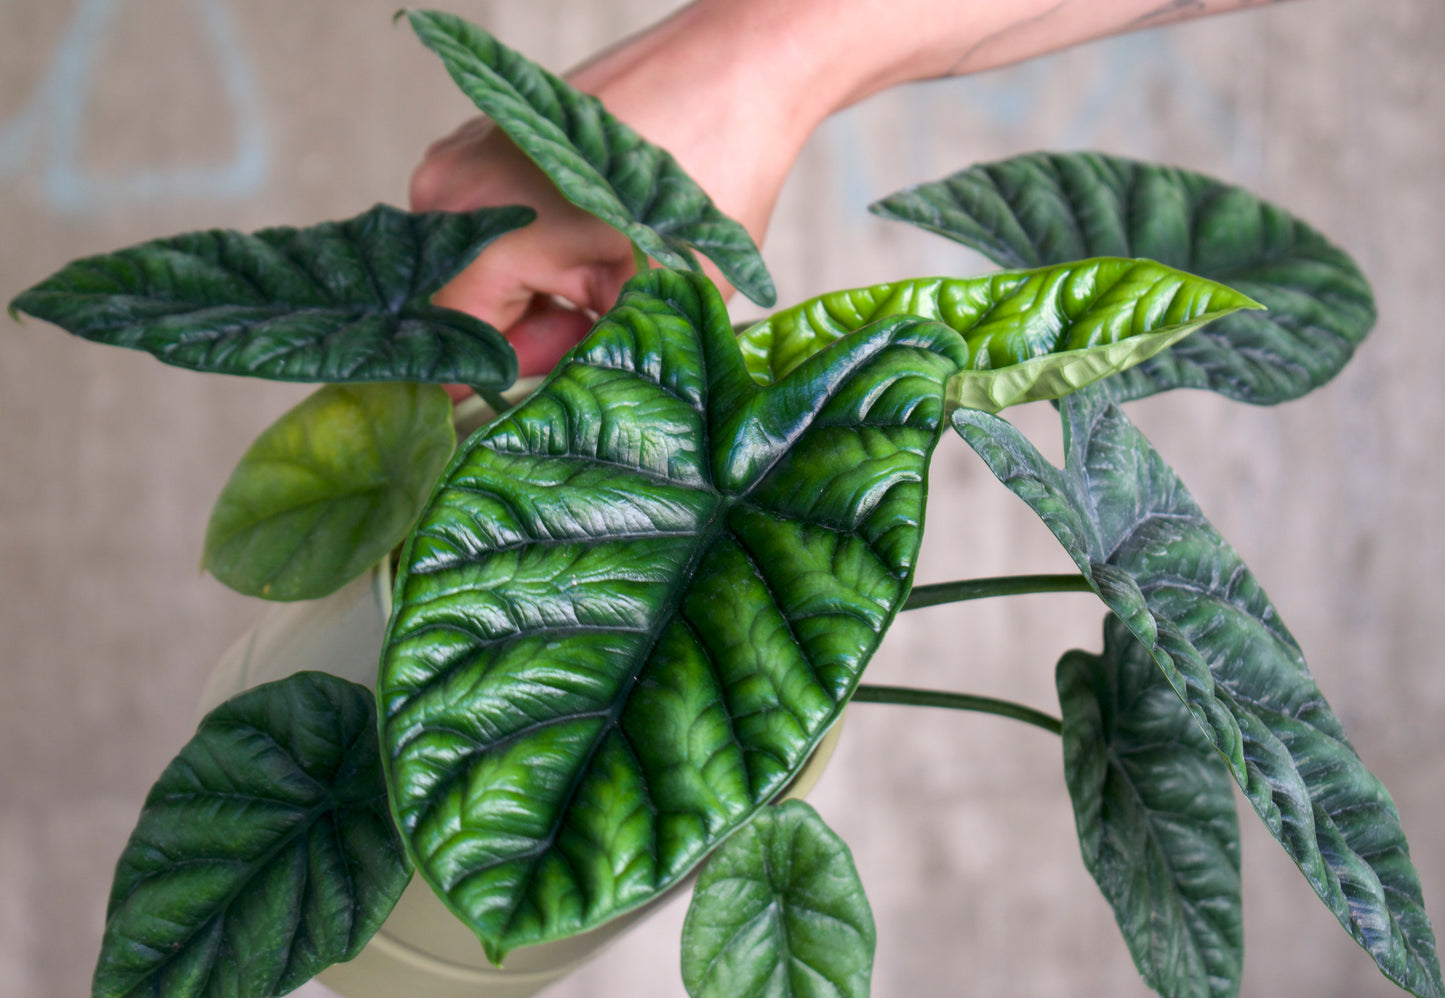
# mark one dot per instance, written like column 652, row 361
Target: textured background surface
column 122, row 120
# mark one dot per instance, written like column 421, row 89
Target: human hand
column 542, row 284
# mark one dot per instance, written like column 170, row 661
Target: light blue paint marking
column 58, row 110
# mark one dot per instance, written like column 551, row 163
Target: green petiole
column 910, row 697
column 493, row 398
column 1005, row 585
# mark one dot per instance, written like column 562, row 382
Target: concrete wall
column 121, row 121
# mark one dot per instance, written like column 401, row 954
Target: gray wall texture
column 122, row 120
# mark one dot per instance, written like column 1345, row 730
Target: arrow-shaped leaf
column 638, row 600
column 597, row 162
column 337, row 302
column 779, row 912
column 328, row 489
column 1032, row 334
column 1154, row 807
column 1047, row 208
column 1132, row 527
column 264, row 854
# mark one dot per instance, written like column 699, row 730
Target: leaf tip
column 881, row 208
column 30, row 302
column 764, row 294
column 1236, row 300
column 494, row 951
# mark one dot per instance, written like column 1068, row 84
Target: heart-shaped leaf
column 264, row 854
column 1132, row 527
column 1032, row 334
column 1047, row 208
column 337, row 302
column 328, row 489
column 779, row 912
column 1154, row 807
column 638, row 600
column 597, row 162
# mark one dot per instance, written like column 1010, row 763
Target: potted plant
column 629, row 607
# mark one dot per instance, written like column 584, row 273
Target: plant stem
column 957, row 701
column 493, row 398
column 1004, row 585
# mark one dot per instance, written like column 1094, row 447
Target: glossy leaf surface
column 1033, row 334
column 639, row 600
column 1047, row 208
column 597, row 162
column 779, row 912
column 1132, row 527
column 328, row 489
column 337, row 302
column 264, row 854
column 1154, row 806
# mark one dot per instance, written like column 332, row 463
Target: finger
column 545, row 334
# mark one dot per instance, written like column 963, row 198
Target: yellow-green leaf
column 1032, row 334
column 328, row 489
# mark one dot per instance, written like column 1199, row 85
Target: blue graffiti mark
column 57, row 111
column 1116, row 91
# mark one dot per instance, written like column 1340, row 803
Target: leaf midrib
column 706, row 536
column 714, row 525
column 369, row 493
column 1151, row 833
column 328, row 801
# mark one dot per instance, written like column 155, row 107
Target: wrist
column 712, row 84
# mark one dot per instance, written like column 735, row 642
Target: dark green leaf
column 597, row 162
column 1033, row 334
column 340, row 301
column 264, row 853
column 1047, row 208
column 639, row 599
column 328, row 489
column 1154, row 807
column 1132, row 527
column 779, row 912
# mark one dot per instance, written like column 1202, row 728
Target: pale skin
column 767, row 73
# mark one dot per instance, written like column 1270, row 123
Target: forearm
column 837, row 52
column 889, row 42
column 763, row 74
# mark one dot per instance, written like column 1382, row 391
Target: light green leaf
column 779, row 912
column 638, row 600
column 263, row 855
column 1033, row 334
column 597, row 162
column 1048, row 208
column 1154, row 807
column 328, row 489
column 1132, row 527
column 337, row 302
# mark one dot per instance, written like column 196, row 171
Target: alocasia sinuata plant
column 628, row 608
